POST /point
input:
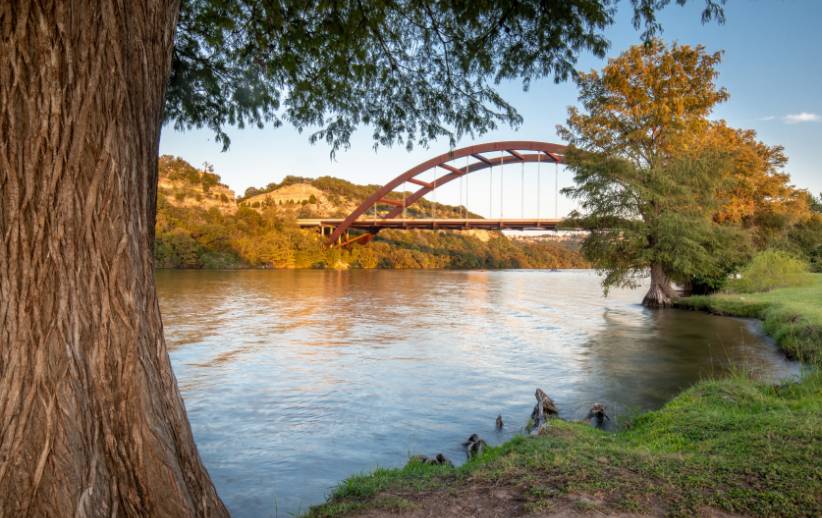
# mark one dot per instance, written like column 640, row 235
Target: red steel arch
column 516, row 149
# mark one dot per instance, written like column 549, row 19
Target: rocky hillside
column 303, row 198
column 183, row 185
column 326, row 197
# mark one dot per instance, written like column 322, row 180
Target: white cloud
column 796, row 118
column 768, row 118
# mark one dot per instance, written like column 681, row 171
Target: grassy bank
column 793, row 316
column 724, row 446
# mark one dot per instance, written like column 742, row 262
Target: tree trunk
column 91, row 420
column 660, row 294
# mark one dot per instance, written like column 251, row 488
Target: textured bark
column 91, row 420
column 660, row 294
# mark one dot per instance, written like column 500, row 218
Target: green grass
column 793, row 316
column 734, row 445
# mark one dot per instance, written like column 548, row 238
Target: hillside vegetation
column 327, row 196
column 200, row 224
column 184, row 186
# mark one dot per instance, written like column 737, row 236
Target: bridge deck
column 437, row 223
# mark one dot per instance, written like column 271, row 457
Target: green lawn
column 732, row 445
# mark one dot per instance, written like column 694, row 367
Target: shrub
column 768, row 270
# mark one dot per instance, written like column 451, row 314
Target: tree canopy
column 660, row 184
column 411, row 70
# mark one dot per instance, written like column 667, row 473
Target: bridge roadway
column 372, row 224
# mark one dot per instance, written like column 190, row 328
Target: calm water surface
column 294, row 380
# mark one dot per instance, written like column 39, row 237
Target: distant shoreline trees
column 193, row 237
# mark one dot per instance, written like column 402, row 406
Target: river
column 295, row 380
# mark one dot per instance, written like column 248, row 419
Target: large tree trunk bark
column 91, row 420
column 660, row 294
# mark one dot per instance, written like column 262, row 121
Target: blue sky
column 772, row 68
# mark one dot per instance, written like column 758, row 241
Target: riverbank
column 723, row 446
column 792, row 316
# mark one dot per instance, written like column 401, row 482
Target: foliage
column 412, row 70
column 659, row 217
column 427, row 249
column 646, row 202
column 195, row 238
column 805, row 237
column 644, row 101
column 175, row 168
column 755, row 190
column 339, row 192
column 755, row 181
column 648, row 199
column 768, row 270
column 664, row 187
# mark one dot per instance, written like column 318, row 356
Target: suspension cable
column 434, row 204
column 501, row 183
column 522, row 190
column 539, row 175
column 461, row 182
column 491, row 192
column 556, row 190
column 465, row 205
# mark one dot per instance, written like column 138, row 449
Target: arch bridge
column 509, row 152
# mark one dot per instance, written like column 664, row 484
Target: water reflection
column 294, row 380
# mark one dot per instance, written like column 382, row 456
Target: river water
column 294, row 380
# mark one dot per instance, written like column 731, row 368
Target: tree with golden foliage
column 648, row 198
column 756, row 192
column 665, row 188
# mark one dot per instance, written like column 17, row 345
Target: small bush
column 769, row 270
